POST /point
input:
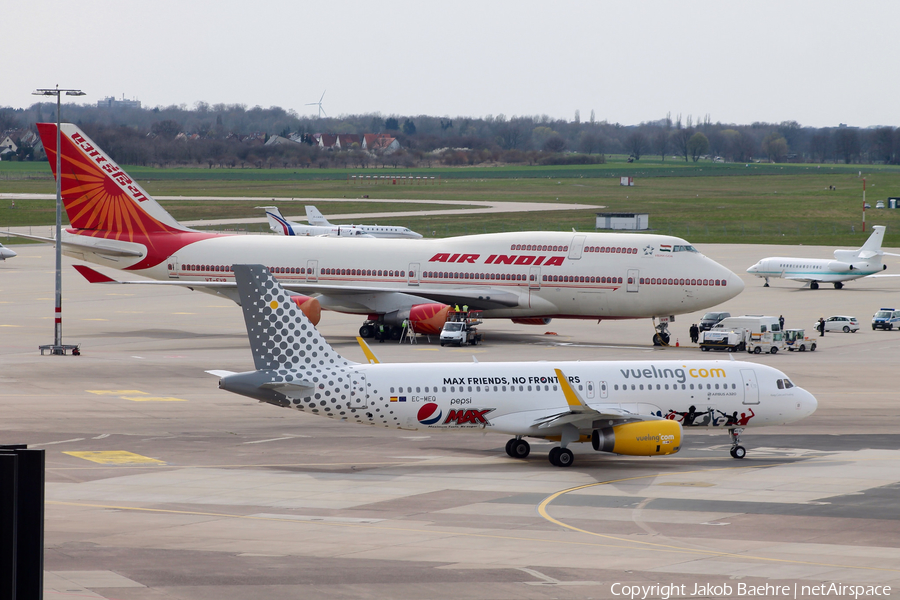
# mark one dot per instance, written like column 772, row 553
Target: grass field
column 702, row 202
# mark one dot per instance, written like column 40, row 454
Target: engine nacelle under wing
column 532, row 320
column 429, row 318
column 641, row 438
column 309, row 306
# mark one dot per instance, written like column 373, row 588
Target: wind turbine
column 319, row 104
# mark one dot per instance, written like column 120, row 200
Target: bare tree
column 680, row 138
column 846, row 144
column 637, row 143
column 661, row 143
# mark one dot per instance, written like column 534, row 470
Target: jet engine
column 839, row 266
column 309, row 306
column 641, row 438
column 532, row 320
column 428, row 318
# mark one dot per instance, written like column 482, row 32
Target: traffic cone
column 676, row 343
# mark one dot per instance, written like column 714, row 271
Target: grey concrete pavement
column 161, row 486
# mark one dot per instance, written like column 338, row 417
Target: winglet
column 572, row 398
column 93, row 276
column 370, row 356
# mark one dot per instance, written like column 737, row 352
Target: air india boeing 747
column 528, row 276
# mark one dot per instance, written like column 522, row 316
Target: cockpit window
column 784, row 384
column 684, row 248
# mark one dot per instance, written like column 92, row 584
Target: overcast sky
column 820, row 63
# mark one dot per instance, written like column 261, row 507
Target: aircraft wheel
column 838, row 285
column 813, row 285
column 366, row 331
column 520, row 449
column 554, row 456
column 509, row 446
column 757, row 350
column 846, row 329
column 738, row 452
column 813, row 347
column 396, row 333
column 565, row 458
column 773, row 350
column 656, row 340
column 765, row 285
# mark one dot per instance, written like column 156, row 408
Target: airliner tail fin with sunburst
column 110, row 214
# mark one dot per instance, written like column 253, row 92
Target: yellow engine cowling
column 309, row 306
column 641, row 438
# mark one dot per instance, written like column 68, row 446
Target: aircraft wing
column 580, row 414
column 107, row 249
column 476, row 299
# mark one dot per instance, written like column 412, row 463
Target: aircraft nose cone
column 808, row 404
column 753, row 269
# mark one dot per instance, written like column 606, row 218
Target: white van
column 753, row 333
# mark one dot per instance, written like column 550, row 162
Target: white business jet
column 636, row 408
column 6, row 252
column 319, row 225
column 847, row 265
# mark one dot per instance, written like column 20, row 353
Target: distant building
column 110, row 102
column 381, row 142
column 8, row 145
column 626, row 221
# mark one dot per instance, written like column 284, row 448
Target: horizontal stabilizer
column 219, row 373
column 287, row 389
column 93, row 276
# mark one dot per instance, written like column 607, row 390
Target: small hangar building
column 625, row 221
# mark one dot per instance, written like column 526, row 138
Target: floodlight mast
column 58, row 347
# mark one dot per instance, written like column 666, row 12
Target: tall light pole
column 58, row 347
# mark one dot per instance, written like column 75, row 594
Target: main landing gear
column 559, row 457
column 813, row 285
column 766, row 284
column 737, row 451
column 518, row 448
column 369, row 329
column 838, row 285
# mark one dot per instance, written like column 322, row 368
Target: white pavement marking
column 59, row 442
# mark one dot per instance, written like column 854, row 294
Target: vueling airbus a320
column 529, row 277
column 625, row 407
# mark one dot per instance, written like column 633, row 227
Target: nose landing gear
column 661, row 337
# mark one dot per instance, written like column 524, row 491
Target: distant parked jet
column 847, row 265
column 6, row 252
column 319, row 225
